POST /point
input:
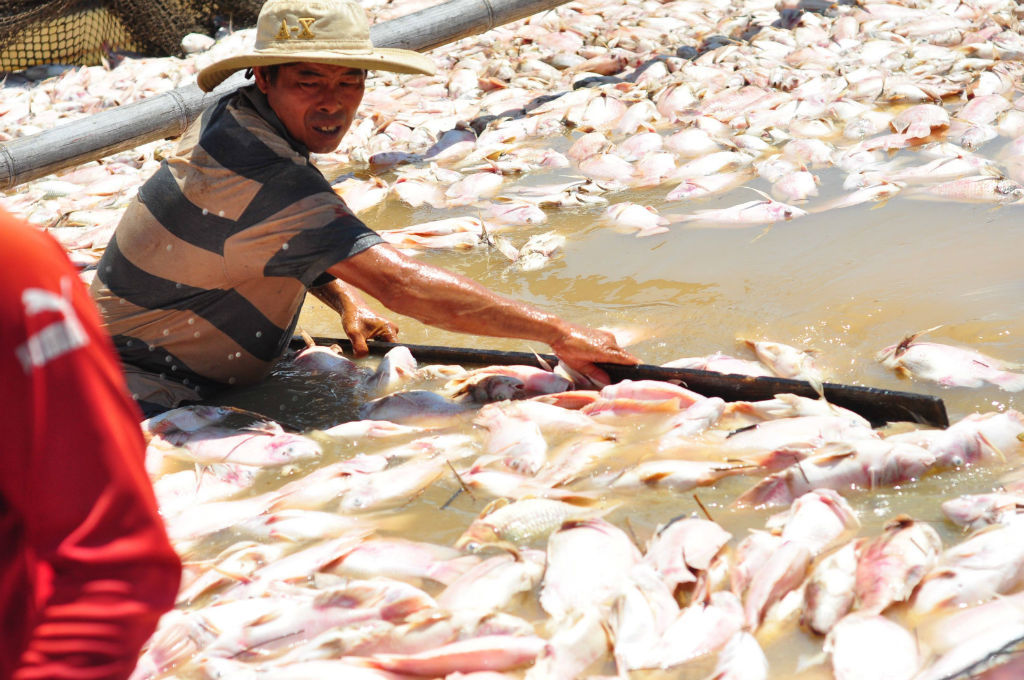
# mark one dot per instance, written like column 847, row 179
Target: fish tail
column 772, row 490
column 1010, row 382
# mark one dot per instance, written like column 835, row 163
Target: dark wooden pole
column 877, row 405
column 167, row 115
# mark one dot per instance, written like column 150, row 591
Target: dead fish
column 989, row 563
column 538, row 251
column 522, row 522
column 607, row 166
column 949, row 365
column 453, row 145
column 920, row 120
column 486, row 652
column 697, row 187
column 416, row 192
column 643, row 219
column 412, row 407
column 590, row 144
column 892, row 564
column 872, row 646
column 691, row 142
column 515, row 213
column 786, row 361
column 861, row 464
column 974, row 189
column 796, row 186
column 396, row 368
column 320, row 358
column 474, row 187
column 745, row 214
column 975, row 511
column 829, row 594
column 361, row 194
column 451, row 232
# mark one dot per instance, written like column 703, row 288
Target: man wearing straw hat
column 202, row 283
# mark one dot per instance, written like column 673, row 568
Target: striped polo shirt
column 204, row 278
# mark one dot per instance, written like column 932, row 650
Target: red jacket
column 85, row 565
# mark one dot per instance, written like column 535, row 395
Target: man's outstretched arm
column 453, row 302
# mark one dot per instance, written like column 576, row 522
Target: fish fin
column 575, row 377
column 772, row 490
column 1010, row 382
column 485, row 235
column 818, row 387
column 907, row 341
column 758, row 191
column 583, row 500
column 492, row 506
column 834, row 451
column 542, row 361
column 762, row 233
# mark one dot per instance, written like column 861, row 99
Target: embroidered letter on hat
column 306, row 23
column 286, row 31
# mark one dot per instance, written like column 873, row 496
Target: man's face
column 316, row 102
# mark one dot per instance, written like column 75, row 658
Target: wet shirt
column 204, row 278
column 86, row 568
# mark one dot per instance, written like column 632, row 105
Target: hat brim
column 378, row 59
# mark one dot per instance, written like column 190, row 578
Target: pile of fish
column 509, row 522
column 692, row 97
column 561, row 541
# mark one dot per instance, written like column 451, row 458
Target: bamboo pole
column 167, row 115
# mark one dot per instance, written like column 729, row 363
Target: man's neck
column 258, row 100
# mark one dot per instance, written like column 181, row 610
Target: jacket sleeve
column 97, row 558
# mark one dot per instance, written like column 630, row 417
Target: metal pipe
column 167, row 115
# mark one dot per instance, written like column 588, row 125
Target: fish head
column 1009, row 190
column 476, row 536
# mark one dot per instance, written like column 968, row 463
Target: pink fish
column 683, row 547
column 361, row 195
column 744, row 214
column 870, row 646
column 589, row 563
column 976, row 511
column 405, row 560
column 988, row 563
column 607, row 166
column 949, row 365
column 414, row 407
column 864, row 464
column 721, row 363
column 703, row 627
column 590, row 144
column 818, row 519
column 976, row 438
column 920, row 120
column 829, row 593
column 891, row 565
column 643, row 219
column 328, row 359
column 488, row 652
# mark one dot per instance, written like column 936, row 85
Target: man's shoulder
column 238, row 134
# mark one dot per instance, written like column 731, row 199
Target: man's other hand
column 362, row 323
column 580, row 348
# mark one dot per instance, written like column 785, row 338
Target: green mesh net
column 82, row 32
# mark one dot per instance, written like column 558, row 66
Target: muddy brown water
column 844, row 282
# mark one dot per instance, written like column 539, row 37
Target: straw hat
column 322, row 31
